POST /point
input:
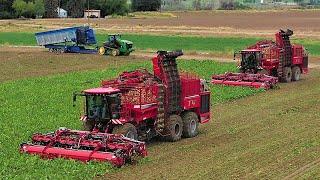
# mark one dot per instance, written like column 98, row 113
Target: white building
column 92, row 13
column 62, row 13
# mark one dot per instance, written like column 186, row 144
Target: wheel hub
column 177, row 129
column 193, row 126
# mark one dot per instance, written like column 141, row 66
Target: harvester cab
column 250, row 60
column 100, row 106
column 116, row 46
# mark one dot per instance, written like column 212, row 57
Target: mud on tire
column 128, row 130
column 173, row 128
column 296, row 73
column 190, row 124
column 287, row 74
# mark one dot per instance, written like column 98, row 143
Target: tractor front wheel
column 287, row 75
column 173, row 128
column 190, row 124
column 102, row 51
column 296, row 73
column 128, row 130
column 115, row 52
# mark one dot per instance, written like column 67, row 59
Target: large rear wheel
column 128, row 130
column 173, row 128
column 296, row 73
column 190, row 124
column 287, row 74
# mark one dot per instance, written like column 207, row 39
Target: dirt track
column 250, row 23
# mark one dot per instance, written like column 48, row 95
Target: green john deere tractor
column 116, row 46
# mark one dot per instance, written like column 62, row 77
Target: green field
column 44, row 104
column 218, row 45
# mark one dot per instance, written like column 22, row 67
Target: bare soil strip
column 303, row 169
column 22, row 62
column 18, row 63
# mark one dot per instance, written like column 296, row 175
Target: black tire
column 287, row 75
column 296, row 73
column 174, row 128
column 128, row 130
column 190, row 124
column 88, row 125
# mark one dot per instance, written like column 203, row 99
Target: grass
column 44, row 104
column 218, row 45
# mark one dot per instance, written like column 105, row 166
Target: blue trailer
column 69, row 40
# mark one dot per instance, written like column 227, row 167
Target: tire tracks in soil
column 303, row 169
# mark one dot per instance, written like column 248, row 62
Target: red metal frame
column 245, row 79
column 85, row 146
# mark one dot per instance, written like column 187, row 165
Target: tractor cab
column 249, row 60
column 114, row 37
column 101, row 105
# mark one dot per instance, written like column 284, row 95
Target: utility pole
column 88, row 12
column 59, row 8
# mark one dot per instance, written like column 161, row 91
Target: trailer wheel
column 173, row 128
column 102, row 50
column 61, row 50
column 296, row 73
column 88, row 125
column 190, row 124
column 287, row 74
column 128, row 130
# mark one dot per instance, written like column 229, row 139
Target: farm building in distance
column 62, row 13
column 92, row 13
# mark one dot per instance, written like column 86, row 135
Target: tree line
column 75, row 8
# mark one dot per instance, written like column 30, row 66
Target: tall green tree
column 51, row 8
column 109, row 7
column 146, row 5
column 76, row 8
column 39, row 7
column 20, row 7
